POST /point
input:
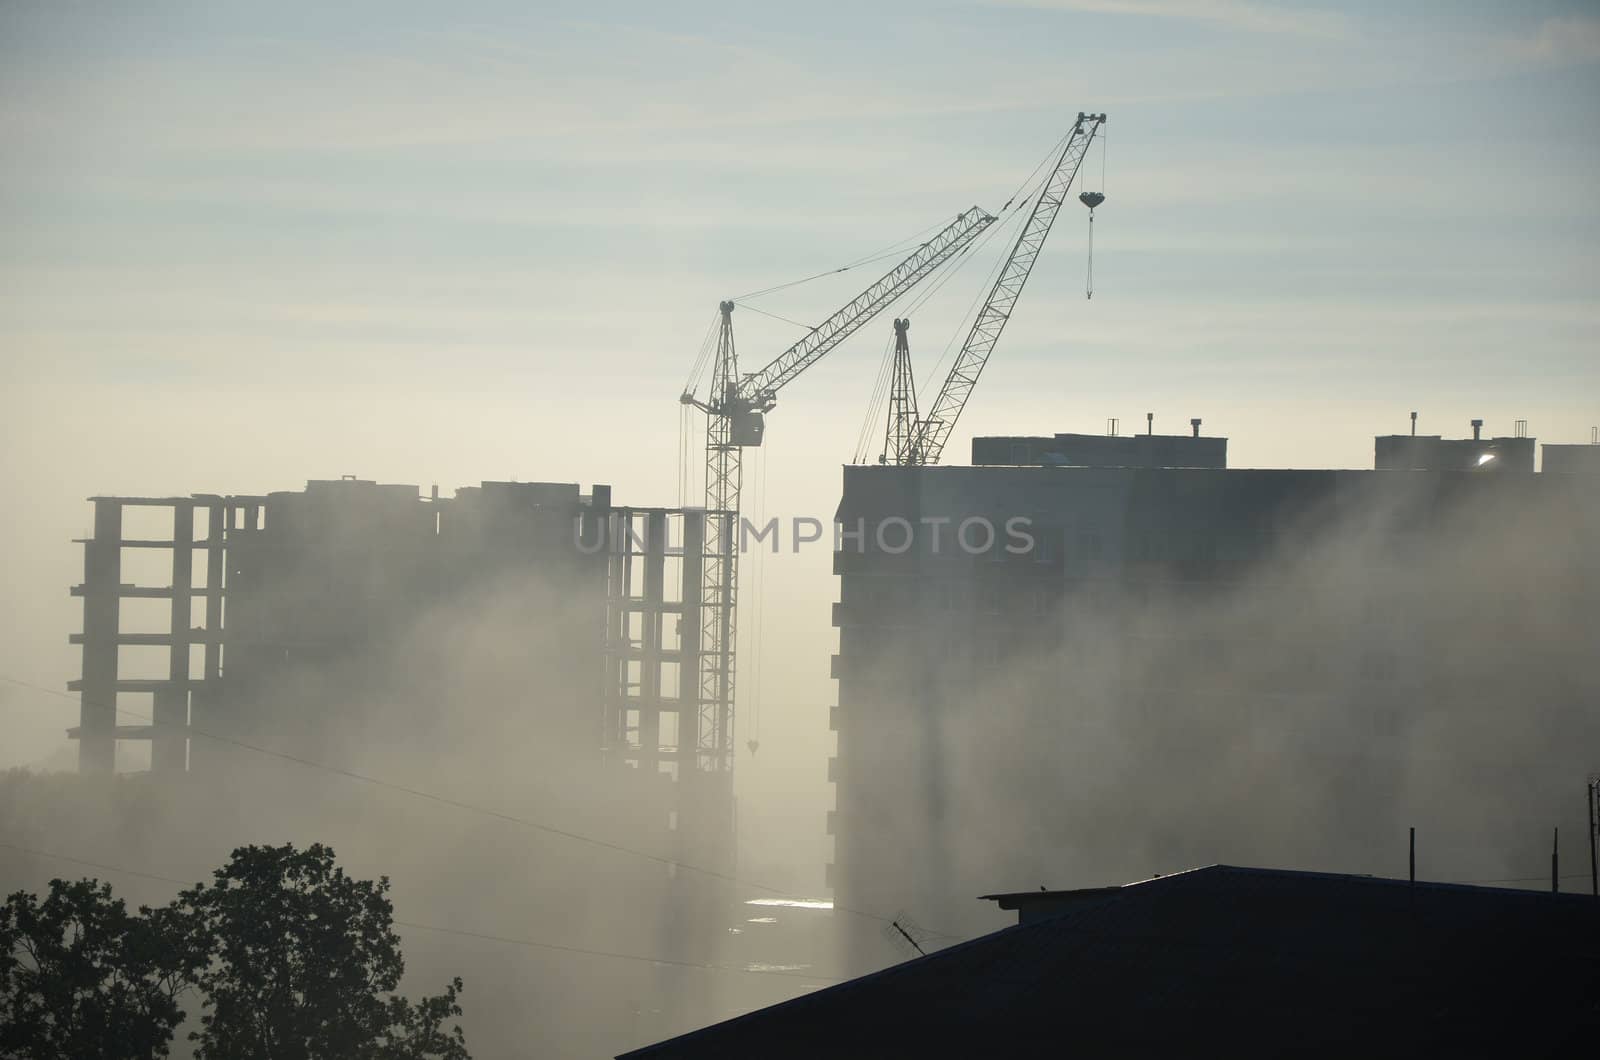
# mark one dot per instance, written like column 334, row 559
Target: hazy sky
column 246, row 245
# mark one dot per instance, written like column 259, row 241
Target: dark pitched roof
column 1255, row 961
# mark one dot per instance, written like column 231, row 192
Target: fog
column 1402, row 655
column 532, row 837
column 437, row 247
column 1406, row 650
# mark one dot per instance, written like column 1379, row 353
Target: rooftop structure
column 1572, row 460
column 1094, row 450
column 1432, row 452
column 1240, row 961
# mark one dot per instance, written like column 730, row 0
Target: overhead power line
column 469, row 807
column 481, row 935
column 617, row 956
column 1522, row 879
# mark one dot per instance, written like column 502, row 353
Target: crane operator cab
column 748, row 424
column 747, row 414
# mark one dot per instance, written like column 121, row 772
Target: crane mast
column 735, row 417
column 900, row 433
column 934, row 430
column 719, row 567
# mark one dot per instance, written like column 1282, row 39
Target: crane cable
column 972, row 248
column 876, row 255
column 968, row 252
column 689, row 441
column 683, row 454
column 885, row 378
column 933, row 379
column 759, row 591
column 944, row 271
column 949, row 268
column 960, row 258
column 880, row 393
column 774, row 316
column 1088, row 280
column 698, row 370
column 685, row 415
column 1048, row 155
column 703, row 358
column 880, row 387
column 886, row 369
column 897, row 245
column 1088, row 283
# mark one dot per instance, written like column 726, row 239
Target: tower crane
column 736, row 409
column 931, row 432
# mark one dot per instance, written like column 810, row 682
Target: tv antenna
column 907, row 936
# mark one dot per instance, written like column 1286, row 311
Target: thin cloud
column 1234, row 14
column 1561, row 40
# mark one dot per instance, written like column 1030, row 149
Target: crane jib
column 759, row 389
column 936, row 427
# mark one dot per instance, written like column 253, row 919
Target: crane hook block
column 1092, row 199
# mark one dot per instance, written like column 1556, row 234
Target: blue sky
column 194, row 190
column 246, row 245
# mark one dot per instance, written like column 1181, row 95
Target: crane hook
column 1091, row 199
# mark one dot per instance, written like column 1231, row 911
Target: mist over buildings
column 1291, row 681
column 273, row 246
column 1294, row 677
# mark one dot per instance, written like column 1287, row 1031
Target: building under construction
column 352, row 608
column 1084, row 644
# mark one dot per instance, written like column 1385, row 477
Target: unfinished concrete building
column 1164, row 648
column 354, row 612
